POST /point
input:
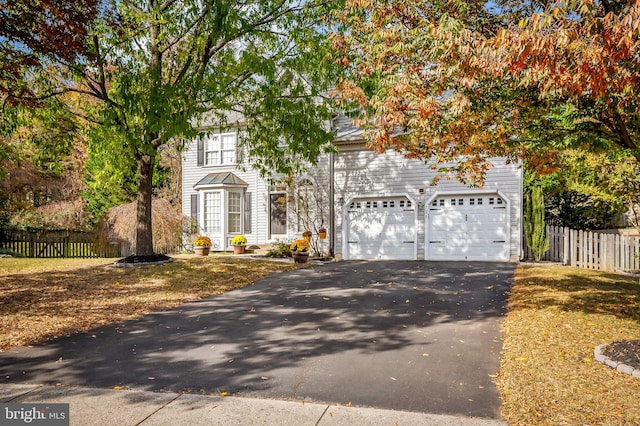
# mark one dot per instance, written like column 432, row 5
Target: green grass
column 557, row 316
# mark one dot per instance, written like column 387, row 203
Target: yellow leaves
column 118, row 387
column 223, row 394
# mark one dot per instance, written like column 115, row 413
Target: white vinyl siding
column 306, row 204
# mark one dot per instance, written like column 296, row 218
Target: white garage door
column 381, row 228
column 469, row 227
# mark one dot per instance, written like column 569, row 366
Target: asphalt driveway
column 402, row 335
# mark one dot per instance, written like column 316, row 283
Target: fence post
column 65, row 245
column 566, row 247
column 604, row 251
column 32, row 245
column 616, row 253
column 625, row 257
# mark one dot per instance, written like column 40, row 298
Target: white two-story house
column 374, row 206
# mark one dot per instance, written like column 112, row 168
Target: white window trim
column 220, row 152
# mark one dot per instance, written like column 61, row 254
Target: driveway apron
column 401, row 335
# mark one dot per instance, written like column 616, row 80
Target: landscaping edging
column 600, row 357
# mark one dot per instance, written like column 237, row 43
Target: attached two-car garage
column 471, row 226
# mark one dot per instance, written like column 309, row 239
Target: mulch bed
column 135, row 260
column 624, row 351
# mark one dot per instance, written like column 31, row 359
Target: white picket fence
column 606, row 251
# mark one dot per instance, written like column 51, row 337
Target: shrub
column 279, row 249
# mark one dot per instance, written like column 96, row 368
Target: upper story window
column 220, row 149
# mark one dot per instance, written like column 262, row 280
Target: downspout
column 332, row 210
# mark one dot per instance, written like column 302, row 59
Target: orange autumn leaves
column 455, row 84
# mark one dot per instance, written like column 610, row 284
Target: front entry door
column 278, row 214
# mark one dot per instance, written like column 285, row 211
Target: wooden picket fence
column 603, row 250
column 56, row 244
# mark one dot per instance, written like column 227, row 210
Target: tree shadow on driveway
column 418, row 336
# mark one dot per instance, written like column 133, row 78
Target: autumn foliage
column 454, row 83
column 34, row 32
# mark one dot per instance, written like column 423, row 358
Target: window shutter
column 239, row 149
column 194, row 211
column 200, row 150
column 247, row 213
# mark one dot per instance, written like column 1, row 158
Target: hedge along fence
column 603, row 250
column 51, row 244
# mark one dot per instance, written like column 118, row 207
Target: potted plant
column 202, row 245
column 300, row 251
column 322, row 233
column 238, row 242
column 307, row 235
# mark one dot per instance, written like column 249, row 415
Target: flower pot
column 202, row 250
column 300, row 257
column 238, row 249
column 322, row 235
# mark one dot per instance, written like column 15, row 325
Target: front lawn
column 557, row 316
column 45, row 298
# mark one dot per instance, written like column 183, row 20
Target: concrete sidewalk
column 91, row 406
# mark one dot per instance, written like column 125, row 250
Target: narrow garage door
column 469, row 227
column 381, row 228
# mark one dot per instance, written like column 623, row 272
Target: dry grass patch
column 45, row 298
column 557, row 316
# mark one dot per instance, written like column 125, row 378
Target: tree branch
column 133, row 7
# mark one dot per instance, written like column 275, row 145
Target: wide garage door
column 468, row 227
column 381, row 228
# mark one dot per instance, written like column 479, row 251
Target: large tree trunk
column 144, row 234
